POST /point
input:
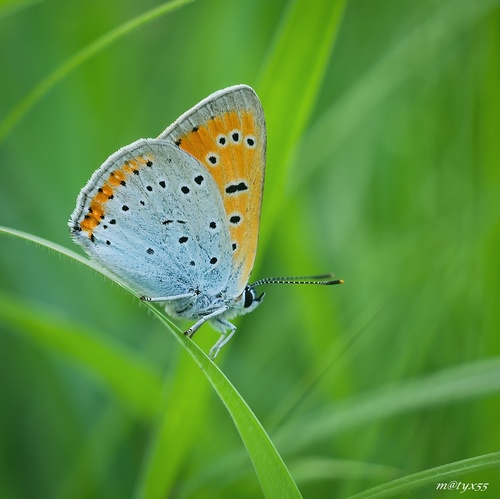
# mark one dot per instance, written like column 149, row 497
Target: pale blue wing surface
column 162, row 232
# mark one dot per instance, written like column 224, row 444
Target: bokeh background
column 393, row 184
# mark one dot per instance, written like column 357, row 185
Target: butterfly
column 177, row 217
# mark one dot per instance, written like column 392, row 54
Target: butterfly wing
column 153, row 216
column 226, row 133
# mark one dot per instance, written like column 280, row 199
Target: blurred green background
column 392, row 181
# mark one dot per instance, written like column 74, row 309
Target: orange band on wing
column 227, row 145
column 117, row 177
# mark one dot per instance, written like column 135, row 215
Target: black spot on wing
column 233, row 188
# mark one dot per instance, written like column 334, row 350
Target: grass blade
column 273, row 475
column 433, row 477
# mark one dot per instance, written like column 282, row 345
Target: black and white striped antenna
column 320, row 280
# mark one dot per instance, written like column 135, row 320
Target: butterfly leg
column 230, row 329
column 190, row 332
column 168, row 298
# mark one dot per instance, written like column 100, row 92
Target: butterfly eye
column 249, row 297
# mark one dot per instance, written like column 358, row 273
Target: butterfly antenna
column 308, row 279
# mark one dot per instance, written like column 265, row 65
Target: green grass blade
column 432, row 477
column 272, row 473
column 289, row 85
column 23, row 107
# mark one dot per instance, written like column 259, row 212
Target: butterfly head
column 248, row 301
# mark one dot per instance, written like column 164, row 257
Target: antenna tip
column 337, row 281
